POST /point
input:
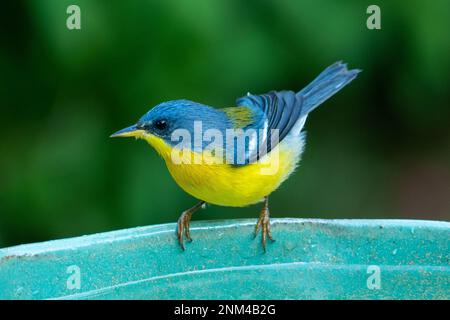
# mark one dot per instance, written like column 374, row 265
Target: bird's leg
column 264, row 223
column 183, row 223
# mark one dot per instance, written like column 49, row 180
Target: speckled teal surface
column 311, row 259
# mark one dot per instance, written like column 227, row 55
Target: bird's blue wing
column 280, row 112
column 283, row 110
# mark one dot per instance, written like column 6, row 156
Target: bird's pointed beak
column 131, row 131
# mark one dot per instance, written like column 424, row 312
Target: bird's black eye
column 160, row 124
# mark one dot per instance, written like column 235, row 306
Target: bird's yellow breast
column 228, row 185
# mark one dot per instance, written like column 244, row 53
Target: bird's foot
column 184, row 222
column 183, row 228
column 264, row 224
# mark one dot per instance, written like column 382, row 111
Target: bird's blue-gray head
column 164, row 119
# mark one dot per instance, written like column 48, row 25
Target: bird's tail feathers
column 326, row 84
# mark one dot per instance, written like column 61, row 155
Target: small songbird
column 235, row 156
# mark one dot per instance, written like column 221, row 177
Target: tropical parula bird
column 235, row 156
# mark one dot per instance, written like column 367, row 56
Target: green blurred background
column 378, row 149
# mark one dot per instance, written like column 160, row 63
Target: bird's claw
column 183, row 224
column 264, row 224
column 183, row 228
